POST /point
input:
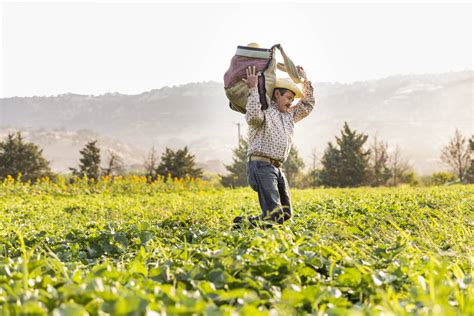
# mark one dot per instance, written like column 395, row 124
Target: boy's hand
column 252, row 77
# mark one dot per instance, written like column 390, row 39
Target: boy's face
column 284, row 100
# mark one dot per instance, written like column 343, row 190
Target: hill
column 417, row 112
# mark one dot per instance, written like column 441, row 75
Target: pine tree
column 89, row 165
column 237, row 176
column 346, row 165
column 179, row 164
column 354, row 159
column 18, row 157
column 331, row 172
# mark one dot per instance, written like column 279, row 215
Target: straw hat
column 288, row 84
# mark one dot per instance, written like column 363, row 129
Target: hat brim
column 288, row 84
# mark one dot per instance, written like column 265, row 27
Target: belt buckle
column 276, row 163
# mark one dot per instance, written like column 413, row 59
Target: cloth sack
column 264, row 60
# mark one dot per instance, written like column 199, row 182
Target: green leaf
column 70, row 309
column 350, row 277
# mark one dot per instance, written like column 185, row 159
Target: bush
column 440, row 178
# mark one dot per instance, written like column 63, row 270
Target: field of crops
column 128, row 247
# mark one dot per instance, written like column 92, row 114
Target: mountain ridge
column 418, row 112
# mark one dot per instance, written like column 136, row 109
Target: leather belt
column 274, row 162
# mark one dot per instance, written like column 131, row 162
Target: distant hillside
column 417, row 112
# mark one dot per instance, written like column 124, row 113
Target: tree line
column 349, row 161
column 25, row 161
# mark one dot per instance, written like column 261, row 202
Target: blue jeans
column 273, row 191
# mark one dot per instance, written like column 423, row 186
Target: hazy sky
column 94, row 48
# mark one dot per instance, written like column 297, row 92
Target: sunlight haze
column 95, row 48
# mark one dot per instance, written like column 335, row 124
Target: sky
column 51, row 48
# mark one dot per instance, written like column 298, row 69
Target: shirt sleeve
column 254, row 115
column 306, row 104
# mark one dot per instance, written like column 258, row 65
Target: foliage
column 115, row 165
column 409, row 177
column 470, row 171
column 293, row 168
column 178, row 164
column 331, row 173
column 399, row 168
column 439, row 178
column 89, row 163
column 379, row 160
column 237, row 176
column 346, row 165
column 126, row 246
column 150, row 164
column 311, row 179
column 23, row 160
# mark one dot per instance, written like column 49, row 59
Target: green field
column 128, row 247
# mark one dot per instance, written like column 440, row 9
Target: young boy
column 270, row 139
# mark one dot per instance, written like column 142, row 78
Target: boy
column 270, row 139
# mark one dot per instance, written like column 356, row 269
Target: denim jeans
column 273, row 191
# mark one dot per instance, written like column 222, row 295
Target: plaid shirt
column 271, row 131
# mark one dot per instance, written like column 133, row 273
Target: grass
column 128, row 247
